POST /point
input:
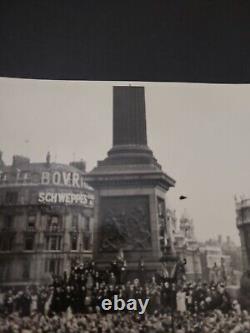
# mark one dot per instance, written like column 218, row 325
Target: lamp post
column 170, row 260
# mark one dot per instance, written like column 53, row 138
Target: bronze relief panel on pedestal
column 124, row 224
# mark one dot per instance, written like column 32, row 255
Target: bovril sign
column 71, row 179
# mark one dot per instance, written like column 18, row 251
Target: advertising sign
column 66, row 198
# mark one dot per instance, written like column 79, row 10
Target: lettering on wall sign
column 66, row 198
column 72, row 179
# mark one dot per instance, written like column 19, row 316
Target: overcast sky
column 198, row 132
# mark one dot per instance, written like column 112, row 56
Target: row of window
column 5, row 271
column 52, row 243
column 11, row 197
column 24, row 177
column 52, row 266
column 54, row 222
column 18, row 197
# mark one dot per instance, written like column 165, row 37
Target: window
column 26, row 177
column 5, row 270
column 8, row 222
column 52, row 266
column 86, row 241
column 26, row 270
column 87, row 224
column 3, row 177
column 31, row 223
column 11, row 197
column 29, row 243
column 33, row 197
column 36, row 178
column 54, row 223
column 22, row 198
column 74, row 242
column 1, row 199
column 75, row 222
column 53, row 243
column 6, row 242
column 47, row 243
column 18, row 171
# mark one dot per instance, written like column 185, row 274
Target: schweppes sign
column 66, row 198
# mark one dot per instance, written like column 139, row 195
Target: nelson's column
column 130, row 189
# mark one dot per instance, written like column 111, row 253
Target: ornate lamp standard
column 170, row 261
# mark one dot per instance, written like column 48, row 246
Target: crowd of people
column 72, row 304
column 214, row 322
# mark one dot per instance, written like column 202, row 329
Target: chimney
column 20, row 161
column 80, row 165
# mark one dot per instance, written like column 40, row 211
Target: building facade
column 215, row 265
column 212, row 260
column 186, row 246
column 46, row 214
column 243, row 225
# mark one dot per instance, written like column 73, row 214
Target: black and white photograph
column 124, row 207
